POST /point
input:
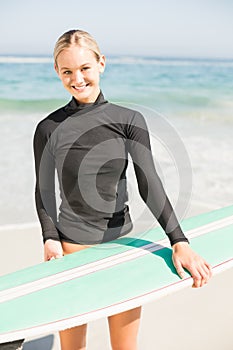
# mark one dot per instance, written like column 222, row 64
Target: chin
column 82, row 97
column 85, row 97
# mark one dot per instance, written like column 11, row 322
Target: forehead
column 75, row 56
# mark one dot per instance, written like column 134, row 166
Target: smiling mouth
column 79, row 88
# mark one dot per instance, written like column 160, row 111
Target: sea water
column 193, row 98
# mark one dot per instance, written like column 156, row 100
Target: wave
column 21, row 59
column 170, row 61
column 20, row 226
column 193, row 102
column 222, row 111
column 129, row 60
column 8, row 105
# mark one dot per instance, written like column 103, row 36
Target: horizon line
column 112, row 55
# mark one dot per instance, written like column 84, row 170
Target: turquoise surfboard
column 108, row 278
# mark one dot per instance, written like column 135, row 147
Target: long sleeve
column 45, row 185
column 149, row 183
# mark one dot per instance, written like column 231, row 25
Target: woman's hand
column 52, row 250
column 184, row 257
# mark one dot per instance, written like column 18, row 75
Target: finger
column 58, row 256
column 197, row 281
column 205, row 272
column 179, row 268
column 50, row 258
column 201, row 276
column 196, row 273
column 201, row 273
column 203, row 282
column 209, row 267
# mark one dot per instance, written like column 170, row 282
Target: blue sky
column 180, row 28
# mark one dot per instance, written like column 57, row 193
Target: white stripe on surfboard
column 104, row 263
column 109, row 310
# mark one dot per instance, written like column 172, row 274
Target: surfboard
column 107, row 278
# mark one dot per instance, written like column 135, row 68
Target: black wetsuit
column 88, row 145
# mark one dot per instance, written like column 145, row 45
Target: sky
column 162, row 28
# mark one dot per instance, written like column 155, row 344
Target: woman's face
column 79, row 72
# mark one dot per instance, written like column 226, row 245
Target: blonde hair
column 76, row 37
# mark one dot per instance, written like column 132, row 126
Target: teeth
column 79, row 87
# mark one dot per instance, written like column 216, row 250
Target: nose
column 78, row 77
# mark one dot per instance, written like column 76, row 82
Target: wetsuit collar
column 74, row 106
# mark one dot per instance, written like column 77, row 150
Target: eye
column 85, row 68
column 67, row 72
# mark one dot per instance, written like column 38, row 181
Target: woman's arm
column 45, row 193
column 149, row 184
column 153, row 194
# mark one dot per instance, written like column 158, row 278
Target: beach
column 188, row 107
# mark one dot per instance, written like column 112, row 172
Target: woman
column 88, row 142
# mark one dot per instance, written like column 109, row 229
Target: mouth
column 80, row 88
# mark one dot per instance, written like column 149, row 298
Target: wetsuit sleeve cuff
column 179, row 240
column 50, row 235
column 177, row 236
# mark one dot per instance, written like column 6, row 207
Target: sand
column 189, row 319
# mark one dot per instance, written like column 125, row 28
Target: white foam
column 169, row 62
column 128, row 60
column 18, row 59
column 28, row 225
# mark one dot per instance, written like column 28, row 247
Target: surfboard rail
column 104, row 269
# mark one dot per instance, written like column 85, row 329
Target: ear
column 56, row 68
column 102, row 63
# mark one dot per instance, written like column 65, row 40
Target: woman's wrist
column 180, row 245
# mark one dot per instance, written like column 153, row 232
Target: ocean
column 192, row 98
